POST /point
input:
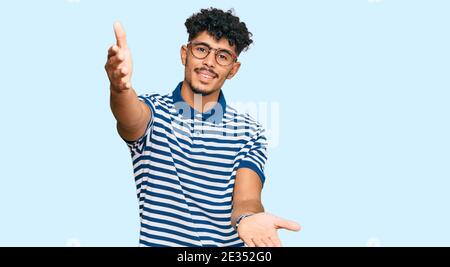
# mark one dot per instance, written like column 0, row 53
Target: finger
column 268, row 242
column 113, row 50
column 115, row 74
column 124, row 71
column 288, row 225
column 119, row 73
column 276, row 241
column 249, row 243
column 116, row 60
column 120, row 35
column 258, row 242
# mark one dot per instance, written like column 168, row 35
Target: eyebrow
column 209, row 46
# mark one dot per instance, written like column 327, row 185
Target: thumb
column 288, row 225
column 120, row 35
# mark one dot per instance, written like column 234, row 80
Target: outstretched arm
column 131, row 114
column 259, row 229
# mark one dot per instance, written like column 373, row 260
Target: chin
column 201, row 91
column 201, row 88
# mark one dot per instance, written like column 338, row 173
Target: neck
column 199, row 102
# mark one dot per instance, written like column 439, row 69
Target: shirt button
column 197, row 133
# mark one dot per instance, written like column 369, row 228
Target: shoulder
column 157, row 98
column 157, row 102
column 243, row 119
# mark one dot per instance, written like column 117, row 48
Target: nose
column 210, row 60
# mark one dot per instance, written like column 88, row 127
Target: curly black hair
column 220, row 24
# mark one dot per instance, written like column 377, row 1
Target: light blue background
column 363, row 88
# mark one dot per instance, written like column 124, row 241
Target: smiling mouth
column 206, row 75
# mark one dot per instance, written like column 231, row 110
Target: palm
column 261, row 229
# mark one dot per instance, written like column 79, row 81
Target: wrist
column 241, row 218
column 118, row 90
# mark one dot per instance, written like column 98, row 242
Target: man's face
column 206, row 76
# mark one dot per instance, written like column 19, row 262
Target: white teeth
column 206, row 76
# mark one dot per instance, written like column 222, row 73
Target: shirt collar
column 214, row 115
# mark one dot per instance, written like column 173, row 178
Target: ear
column 234, row 70
column 183, row 54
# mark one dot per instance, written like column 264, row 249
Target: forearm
column 245, row 207
column 126, row 108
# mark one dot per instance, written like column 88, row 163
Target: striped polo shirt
column 185, row 166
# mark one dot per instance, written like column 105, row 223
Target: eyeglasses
column 201, row 50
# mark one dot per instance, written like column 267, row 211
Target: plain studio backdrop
column 359, row 141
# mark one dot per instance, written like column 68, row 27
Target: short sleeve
column 138, row 146
column 256, row 157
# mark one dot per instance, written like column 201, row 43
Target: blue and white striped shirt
column 185, row 166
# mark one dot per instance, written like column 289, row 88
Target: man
column 198, row 163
